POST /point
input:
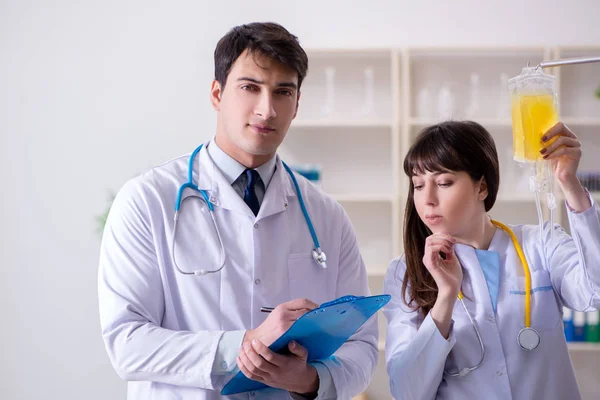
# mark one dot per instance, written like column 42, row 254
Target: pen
column 266, row 309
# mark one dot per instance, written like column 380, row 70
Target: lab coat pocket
column 545, row 314
column 307, row 280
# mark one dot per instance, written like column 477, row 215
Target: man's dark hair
column 260, row 39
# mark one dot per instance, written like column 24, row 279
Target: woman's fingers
column 439, row 240
column 562, row 141
column 573, row 152
column 559, row 129
column 432, row 258
column 445, row 236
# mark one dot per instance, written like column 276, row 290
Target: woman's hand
column 565, row 153
column 447, row 273
column 446, row 269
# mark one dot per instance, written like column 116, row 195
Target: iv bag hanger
column 567, row 61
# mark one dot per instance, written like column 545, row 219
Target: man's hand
column 279, row 321
column 288, row 372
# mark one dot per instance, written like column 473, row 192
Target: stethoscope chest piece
column 320, row 258
column 528, row 339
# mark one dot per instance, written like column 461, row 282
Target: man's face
column 255, row 108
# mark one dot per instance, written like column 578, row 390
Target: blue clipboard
column 321, row 331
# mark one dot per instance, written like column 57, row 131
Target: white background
column 93, row 92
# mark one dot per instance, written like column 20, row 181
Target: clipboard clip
column 343, row 299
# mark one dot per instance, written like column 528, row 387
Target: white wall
column 94, row 92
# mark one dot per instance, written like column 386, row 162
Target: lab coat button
column 224, row 365
column 490, row 317
column 256, row 226
column 499, row 372
column 257, row 281
column 213, row 199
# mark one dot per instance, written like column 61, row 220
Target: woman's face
column 448, row 202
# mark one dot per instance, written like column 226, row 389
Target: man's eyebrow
column 258, row 82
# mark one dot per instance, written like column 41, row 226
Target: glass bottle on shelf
column 328, row 108
column 368, row 107
column 503, row 106
column 445, row 103
column 472, row 109
column 424, row 104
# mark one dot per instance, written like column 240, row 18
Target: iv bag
column 534, row 110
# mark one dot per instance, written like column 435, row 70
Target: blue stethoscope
column 318, row 255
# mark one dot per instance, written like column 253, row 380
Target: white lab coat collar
column 502, row 243
column 472, row 270
column 223, row 195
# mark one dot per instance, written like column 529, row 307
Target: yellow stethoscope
column 528, row 338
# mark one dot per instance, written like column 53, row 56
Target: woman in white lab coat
column 453, row 246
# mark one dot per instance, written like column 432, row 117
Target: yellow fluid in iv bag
column 532, row 116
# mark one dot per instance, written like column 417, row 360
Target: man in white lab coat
column 173, row 334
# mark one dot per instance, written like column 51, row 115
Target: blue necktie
column 250, row 198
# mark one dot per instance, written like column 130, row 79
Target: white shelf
column 342, row 123
column 581, row 121
column 363, row 197
column 483, row 121
column 583, row 346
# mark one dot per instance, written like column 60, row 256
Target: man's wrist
column 310, row 383
column 248, row 336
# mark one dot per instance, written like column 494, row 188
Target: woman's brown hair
column 449, row 146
